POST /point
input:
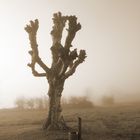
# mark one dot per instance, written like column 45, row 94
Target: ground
column 98, row 123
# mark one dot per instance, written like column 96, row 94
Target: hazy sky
column 110, row 34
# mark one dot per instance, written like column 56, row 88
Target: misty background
column 110, row 35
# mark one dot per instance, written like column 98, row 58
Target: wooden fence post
column 73, row 136
column 79, row 128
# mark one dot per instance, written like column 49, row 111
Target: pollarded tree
column 64, row 63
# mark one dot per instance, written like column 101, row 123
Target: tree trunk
column 55, row 120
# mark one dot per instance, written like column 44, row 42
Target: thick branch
column 32, row 31
column 58, row 51
column 81, row 58
column 59, row 24
column 35, row 73
column 72, row 29
column 57, row 30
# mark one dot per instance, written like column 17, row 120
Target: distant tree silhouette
column 78, row 102
column 108, row 100
column 64, row 63
column 20, row 103
column 30, row 103
column 39, row 103
column 45, row 103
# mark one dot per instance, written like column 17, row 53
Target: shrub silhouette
column 108, row 100
column 20, row 103
column 42, row 103
column 78, row 102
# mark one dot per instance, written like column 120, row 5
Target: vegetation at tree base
column 43, row 103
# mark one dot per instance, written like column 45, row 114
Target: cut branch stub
column 72, row 29
column 73, row 25
column 82, row 56
column 73, row 54
column 59, row 24
column 33, row 27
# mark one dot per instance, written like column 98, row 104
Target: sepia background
column 110, row 34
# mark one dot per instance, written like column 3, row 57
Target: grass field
column 99, row 123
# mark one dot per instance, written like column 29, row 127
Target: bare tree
column 30, row 103
column 64, row 63
column 20, row 103
column 39, row 103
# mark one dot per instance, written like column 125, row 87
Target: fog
column 110, row 35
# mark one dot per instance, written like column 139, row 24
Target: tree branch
column 73, row 28
column 68, row 61
column 35, row 73
column 32, row 31
column 59, row 24
column 62, row 56
column 81, row 58
column 68, row 56
column 57, row 30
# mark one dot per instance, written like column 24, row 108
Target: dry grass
column 108, row 123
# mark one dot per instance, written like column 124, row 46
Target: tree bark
column 55, row 120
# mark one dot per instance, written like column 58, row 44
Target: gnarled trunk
column 55, row 119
